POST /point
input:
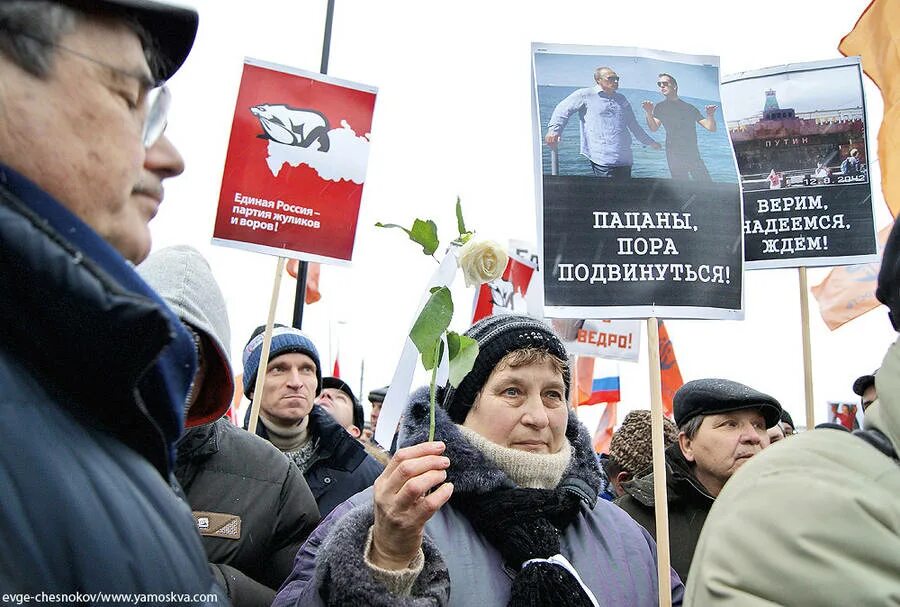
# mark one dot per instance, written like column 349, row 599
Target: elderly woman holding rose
column 501, row 509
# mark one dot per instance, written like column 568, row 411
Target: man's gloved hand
column 888, row 291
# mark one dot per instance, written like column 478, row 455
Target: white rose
column 482, row 261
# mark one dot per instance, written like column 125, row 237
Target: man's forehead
column 294, row 357
column 111, row 43
column 736, row 414
column 336, row 392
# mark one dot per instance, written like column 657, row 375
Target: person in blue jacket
column 94, row 368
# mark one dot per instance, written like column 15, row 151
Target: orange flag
column 312, row 279
column 604, row 432
column 584, row 377
column 669, row 371
column 849, row 291
column 874, row 38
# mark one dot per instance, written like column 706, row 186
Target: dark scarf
column 521, row 524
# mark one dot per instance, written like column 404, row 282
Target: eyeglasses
column 610, row 78
column 157, row 99
column 663, row 83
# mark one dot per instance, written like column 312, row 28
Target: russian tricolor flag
column 603, row 390
column 596, row 381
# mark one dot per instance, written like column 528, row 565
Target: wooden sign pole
column 660, row 501
column 267, row 342
column 807, row 352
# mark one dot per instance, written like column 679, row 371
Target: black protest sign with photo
column 639, row 212
column 799, row 136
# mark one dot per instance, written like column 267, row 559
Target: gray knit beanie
column 497, row 336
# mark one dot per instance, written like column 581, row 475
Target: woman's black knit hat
column 497, row 336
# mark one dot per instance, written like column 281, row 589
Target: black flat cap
column 712, row 395
column 173, row 28
column 377, row 395
column 786, row 418
column 863, row 383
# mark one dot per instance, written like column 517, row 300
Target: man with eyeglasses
column 94, row 367
column 607, row 124
column 678, row 117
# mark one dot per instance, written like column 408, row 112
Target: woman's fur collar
column 471, row 471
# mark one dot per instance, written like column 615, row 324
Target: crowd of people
column 119, row 474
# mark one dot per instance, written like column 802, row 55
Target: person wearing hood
column 252, row 507
column 501, row 509
column 721, row 425
column 816, row 518
column 94, row 367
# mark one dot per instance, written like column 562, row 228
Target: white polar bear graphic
column 293, row 126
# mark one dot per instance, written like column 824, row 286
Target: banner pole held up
column 264, row 355
column 660, row 501
column 573, row 393
column 300, row 293
column 807, row 351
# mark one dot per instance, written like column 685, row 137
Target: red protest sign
column 296, row 164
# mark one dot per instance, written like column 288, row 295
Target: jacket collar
column 199, row 441
column 471, row 471
column 680, row 481
column 76, row 312
column 335, row 444
column 342, row 451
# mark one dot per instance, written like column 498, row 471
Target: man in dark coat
column 252, row 507
column 94, row 367
column 721, row 425
column 336, row 465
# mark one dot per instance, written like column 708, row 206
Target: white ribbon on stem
column 561, row 561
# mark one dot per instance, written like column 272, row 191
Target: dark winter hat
column 631, row 445
column 888, row 290
column 359, row 419
column 377, row 395
column 711, row 395
column 786, row 418
column 497, row 336
column 171, row 28
column 285, row 340
column 863, row 383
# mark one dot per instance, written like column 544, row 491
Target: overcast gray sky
column 453, row 117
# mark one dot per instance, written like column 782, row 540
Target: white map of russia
column 345, row 155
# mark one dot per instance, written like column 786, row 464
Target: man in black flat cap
column 818, row 512
column 338, row 399
column 721, row 425
column 94, row 366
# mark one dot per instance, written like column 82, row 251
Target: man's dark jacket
column 227, row 471
column 689, row 503
column 88, row 415
column 342, row 467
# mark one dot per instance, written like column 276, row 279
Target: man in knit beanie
column 631, row 450
column 335, row 465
